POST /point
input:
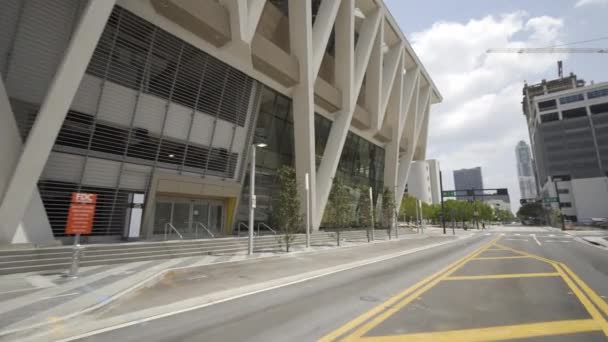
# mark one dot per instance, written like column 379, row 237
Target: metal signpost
column 442, row 209
column 307, row 185
column 80, row 221
column 371, row 209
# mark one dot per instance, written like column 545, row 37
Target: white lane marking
column 39, row 281
column 551, row 235
column 517, row 240
column 61, row 295
column 204, row 305
column 535, row 239
column 487, row 234
column 197, row 277
column 517, row 234
column 563, row 241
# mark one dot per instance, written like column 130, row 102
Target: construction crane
column 548, row 50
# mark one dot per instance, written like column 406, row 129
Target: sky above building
column 480, row 120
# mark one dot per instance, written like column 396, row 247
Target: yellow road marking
column 502, row 257
column 504, row 276
column 595, row 298
column 363, row 329
column 380, row 313
column 548, row 261
column 499, row 333
column 595, row 314
column 369, row 314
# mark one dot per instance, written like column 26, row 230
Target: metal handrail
column 239, row 228
column 204, row 227
column 169, row 224
column 267, row 227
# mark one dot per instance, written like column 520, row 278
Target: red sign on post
column 81, row 214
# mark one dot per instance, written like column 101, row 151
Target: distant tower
column 525, row 172
column 467, row 179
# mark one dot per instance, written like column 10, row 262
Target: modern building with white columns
column 161, row 100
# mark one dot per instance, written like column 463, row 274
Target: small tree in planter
column 388, row 209
column 287, row 206
column 365, row 212
column 340, row 206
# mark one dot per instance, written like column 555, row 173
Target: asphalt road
column 499, row 285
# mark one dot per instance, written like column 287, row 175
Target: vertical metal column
column 307, row 187
column 251, row 198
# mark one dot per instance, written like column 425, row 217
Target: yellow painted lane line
column 548, row 261
column 593, row 311
column 363, row 329
column 595, row 298
column 390, row 302
column 502, row 257
column 503, row 276
column 499, row 333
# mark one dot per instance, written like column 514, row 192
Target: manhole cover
column 369, row 299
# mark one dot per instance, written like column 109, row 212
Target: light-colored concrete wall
column 419, row 183
column 591, row 197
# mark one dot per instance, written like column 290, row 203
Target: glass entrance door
column 191, row 217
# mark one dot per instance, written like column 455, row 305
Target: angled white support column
column 321, row 31
column 373, row 80
column 409, row 89
column 300, row 35
column 395, row 115
column 35, row 227
column 254, row 13
column 239, row 21
column 349, row 76
column 420, row 152
column 244, row 18
column 423, row 103
column 389, row 73
column 363, row 50
column 52, row 112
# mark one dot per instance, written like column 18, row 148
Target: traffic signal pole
column 442, row 208
column 559, row 205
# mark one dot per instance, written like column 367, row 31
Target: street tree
column 365, row 211
column 534, row 212
column 388, row 209
column 287, row 206
column 340, row 206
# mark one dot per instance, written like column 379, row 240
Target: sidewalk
column 39, row 300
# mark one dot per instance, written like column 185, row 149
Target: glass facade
column 361, row 163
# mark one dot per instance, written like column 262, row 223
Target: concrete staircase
column 59, row 258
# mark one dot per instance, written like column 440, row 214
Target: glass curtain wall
column 361, row 163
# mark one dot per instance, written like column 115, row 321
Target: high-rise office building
column 568, row 126
column 525, row 171
column 468, row 179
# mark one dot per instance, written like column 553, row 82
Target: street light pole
column 251, row 199
column 307, row 184
column 442, row 209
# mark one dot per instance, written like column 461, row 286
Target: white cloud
column 581, row 3
column 480, row 120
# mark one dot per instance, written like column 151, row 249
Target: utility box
column 134, row 214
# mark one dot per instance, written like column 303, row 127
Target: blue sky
column 480, row 120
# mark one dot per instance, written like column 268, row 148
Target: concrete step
column 59, row 258
column 60, row 264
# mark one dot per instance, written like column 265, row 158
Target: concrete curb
column 159, row 275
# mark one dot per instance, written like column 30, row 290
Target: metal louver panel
column 149, row 102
